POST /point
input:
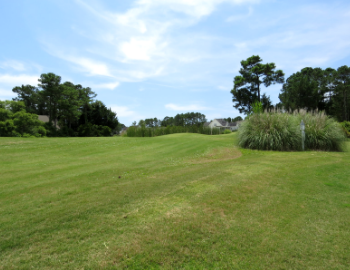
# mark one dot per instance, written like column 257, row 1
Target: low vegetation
column 280, row 131
column 182, row 201
column 143, row 131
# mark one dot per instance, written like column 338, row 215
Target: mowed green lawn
column 181, row 201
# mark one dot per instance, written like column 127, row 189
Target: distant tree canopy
column 230, row 120
column 183, row 120
column 150, row 122
column 314, row 88
column 69, row 106
column 247, row 86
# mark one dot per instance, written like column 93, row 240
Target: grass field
column 181, row 201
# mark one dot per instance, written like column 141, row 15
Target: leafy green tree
column 29, row 95
column 142, row 123
column 183, row 119
column 7, row 127
column 232, row 120
column 304, row 90
column 236, row 119
column 247, row 86
column 266, row 102
column 167, row 121
column 342, row 82
column 72, row 105
column 26, row 123
column 99, row 115
column 5, row 114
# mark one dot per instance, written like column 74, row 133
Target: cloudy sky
column 157, row 58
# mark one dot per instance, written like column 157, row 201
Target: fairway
column 180, row 201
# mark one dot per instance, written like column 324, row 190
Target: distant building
column 123, row 130
column 43, row 118
column 221, row 123
column 46, row 119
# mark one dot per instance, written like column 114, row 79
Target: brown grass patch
column 218, row 154
column 13, row 143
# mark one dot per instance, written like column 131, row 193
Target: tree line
column 180, row 120
column 190, row 119
column 314, row 88
column 71, row 108
column 311, row 88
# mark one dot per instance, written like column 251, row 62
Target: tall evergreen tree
column 51, row 92
column 247, row 86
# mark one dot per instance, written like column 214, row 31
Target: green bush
column 281, row 131
column 26, row 135
column 227, row 131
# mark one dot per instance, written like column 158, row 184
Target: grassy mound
column 281, row 131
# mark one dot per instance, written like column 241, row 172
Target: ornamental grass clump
column 321, row 131
column 280, row 131
column 270, row 131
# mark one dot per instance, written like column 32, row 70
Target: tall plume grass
column 276, row 130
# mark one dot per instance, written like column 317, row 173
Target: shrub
column 227, row 131
column 281, row 131
column 321, row 131
column 27, row 135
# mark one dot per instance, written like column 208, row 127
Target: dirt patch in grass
column 13, row 143
column 218, row 154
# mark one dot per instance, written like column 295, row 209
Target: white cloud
column 195, row 8
column 13, row 64
column 123, row 111
column 18, row 66
column 140, row 40
column 138, row 49
column 7, row 82
column 192, row 107
column 126, row 115
column 212, row 116
column 110, row 86
column 17, row 80
column 240, row 17
column 92, row 67
column 6, row 94
column 225, row 88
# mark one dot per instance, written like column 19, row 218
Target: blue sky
column 157, row 58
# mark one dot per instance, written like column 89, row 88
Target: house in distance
column 223, row 124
